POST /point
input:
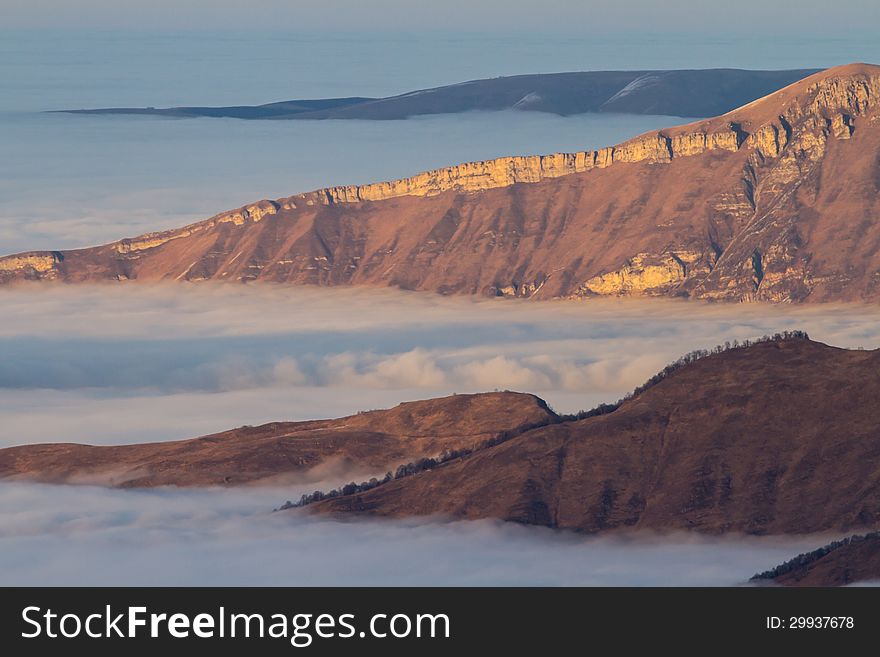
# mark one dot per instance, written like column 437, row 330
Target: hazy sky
column 766, row 16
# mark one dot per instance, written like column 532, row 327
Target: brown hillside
column 368, row 442
column 779, row 437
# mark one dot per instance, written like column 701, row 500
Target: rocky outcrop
column 642, row 274
column 249, row 214
column 768, row 260
column 777, row 201
column 29, row 265
column 506, row 171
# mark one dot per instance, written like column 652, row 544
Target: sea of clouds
column 127, row 363
column 78, row 535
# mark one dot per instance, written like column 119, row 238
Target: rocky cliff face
column 770, row 258
column 775, row 201
column 506, row 171
column 41, row 264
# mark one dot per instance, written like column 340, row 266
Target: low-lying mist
column 127, row 363
column 78, row 535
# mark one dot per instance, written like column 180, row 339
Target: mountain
column 849, row 561
column 674, row 93
column 778, row 437
column 775, row 201
column 369, row 442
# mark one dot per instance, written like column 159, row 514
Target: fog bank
column 90, row 536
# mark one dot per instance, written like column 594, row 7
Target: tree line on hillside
column 415, row 467
column 806, row 558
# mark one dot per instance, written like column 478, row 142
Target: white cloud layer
column 126, row 363
column 93, row 536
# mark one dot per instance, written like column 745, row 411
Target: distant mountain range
column 778, row 200
column 676, row 93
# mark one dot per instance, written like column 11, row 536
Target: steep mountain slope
column 775, row 201
column 778, row 437
column 852, row 560
column 368, row 442
column 675, row 93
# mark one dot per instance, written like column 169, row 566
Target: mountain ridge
column 689, row 92
column 280, row 452
column 756, row 204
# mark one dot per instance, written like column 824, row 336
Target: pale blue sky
column 717, row 16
